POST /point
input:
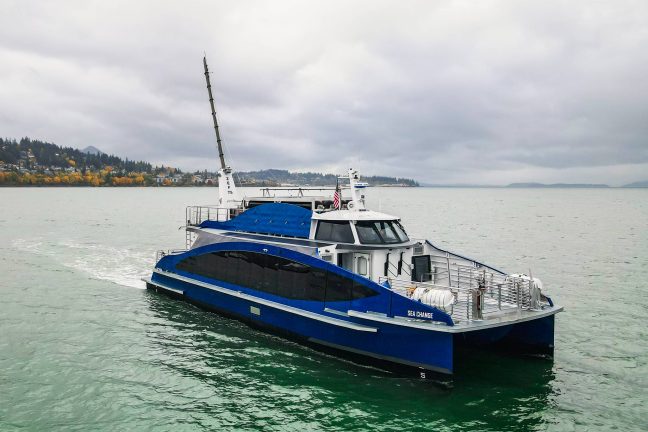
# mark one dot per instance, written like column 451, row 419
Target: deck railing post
column 499, row 296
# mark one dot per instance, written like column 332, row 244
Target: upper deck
column 300, row 196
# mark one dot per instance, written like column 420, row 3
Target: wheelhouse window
column 400, row 231
column 381, row 232
column 275, row 275
column 335, row 231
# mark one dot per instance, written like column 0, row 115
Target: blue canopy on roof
column 273, row 218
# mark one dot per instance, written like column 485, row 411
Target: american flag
column 337, row 199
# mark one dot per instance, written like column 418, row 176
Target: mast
column 228, row 195
column 213, row 112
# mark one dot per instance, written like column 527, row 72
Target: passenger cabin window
column 362, row 266
column 275, row 275
column 381, row 232
column 339, row 232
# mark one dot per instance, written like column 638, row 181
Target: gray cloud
column 445, row 92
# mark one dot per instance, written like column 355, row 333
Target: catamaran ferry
column 318, row 266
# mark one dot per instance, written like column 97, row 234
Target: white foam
column 121, row 266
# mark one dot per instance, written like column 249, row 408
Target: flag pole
column 337, row 196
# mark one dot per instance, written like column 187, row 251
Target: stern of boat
column 535, row 337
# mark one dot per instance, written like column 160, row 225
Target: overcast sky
column 440, row 91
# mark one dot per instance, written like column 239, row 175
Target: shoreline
column 58, row 186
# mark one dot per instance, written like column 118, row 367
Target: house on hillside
column 159, row 179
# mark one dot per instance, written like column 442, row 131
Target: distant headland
column 558, row 185
column 30, row 162
column 639, row 184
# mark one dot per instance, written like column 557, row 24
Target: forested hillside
column 33, row 162
column 51, row 155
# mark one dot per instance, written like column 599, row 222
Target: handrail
column 195, row 215
column 162, row 253
column 478, row 294
column 266, row 191
column 456, row 255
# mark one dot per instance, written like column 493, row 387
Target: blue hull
column 410, row 351
column 529, row 337
column 364, row 326
column 422, row 350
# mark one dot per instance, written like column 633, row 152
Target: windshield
column 339, row 232
column 380, row 232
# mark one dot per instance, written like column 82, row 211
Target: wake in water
column 118, row 265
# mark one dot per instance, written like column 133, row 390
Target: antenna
column 213, row 112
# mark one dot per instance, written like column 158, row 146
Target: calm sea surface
column 83, row 346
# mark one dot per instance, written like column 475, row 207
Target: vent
column 418, row 249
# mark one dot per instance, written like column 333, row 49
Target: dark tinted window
column 270, row 275
column 317, row 284
column 237, row 264
column 367, row 233
column 422, row 267
column 377, row 232
column 361, row 290
column 292, row 279
column 400, row 231
column 256, row 271
column 338, row 288
column 275, row 275
column 339, row 232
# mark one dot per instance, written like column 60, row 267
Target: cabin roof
column 273, row 218
column 351, row 215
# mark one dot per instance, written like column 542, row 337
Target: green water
column 84, row 347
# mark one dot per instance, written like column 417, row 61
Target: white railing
column 162, row 253
column 271, row 192
column 195, row 215
column 478, row 294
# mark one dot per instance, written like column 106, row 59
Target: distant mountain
column 638, row 184
column 92, row 150
column 557, row 185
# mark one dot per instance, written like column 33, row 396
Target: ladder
column 189, row 238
